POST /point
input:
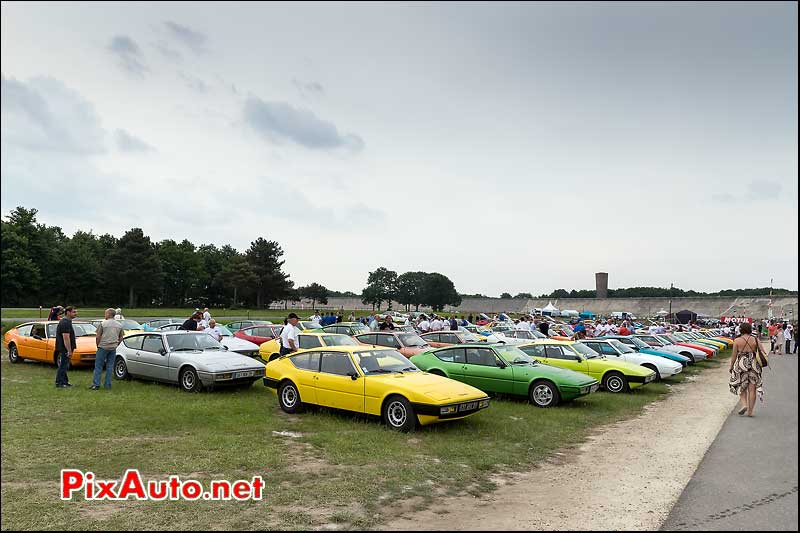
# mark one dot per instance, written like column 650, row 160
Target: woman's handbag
column 761, row 357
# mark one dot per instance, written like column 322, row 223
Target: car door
column 133, row 346
column 307, row 365
column 153, row 364
column 23, row 340
column 562, row 357
column 452, row 360
column 487, row 372
column 335, row 386
column 367, row 338
column 38, row 344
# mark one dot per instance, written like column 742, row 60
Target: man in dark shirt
column 469, row 318
column 65, row 345
column 386, row 324
column 191, row 323
column 544, row 327
column 453, row 323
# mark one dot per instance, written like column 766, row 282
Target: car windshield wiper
column 213, row 348
column 380, row 371
column 410, row 368
column 186, row 350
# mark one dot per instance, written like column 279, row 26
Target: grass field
column 331, row 470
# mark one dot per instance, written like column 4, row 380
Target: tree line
column 430, row 289
column 42, row 266
column 665, row 292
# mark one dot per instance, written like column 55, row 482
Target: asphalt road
column 748, row 477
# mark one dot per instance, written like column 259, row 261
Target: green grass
column 343, row 469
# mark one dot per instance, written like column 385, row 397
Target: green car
column 506, row 369
column 615, row 375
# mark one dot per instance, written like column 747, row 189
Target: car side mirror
column 501, row 364
column 224, row 347
column 162, row 351
column 353, row 375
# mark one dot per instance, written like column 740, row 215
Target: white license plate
column 467, row 406
column 242, row 374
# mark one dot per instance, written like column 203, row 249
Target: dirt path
column 627, row 476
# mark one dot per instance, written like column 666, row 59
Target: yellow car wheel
column 398, row 414
column 289, row 397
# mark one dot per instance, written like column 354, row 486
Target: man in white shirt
column 289, row 341
column 424, row 326
column 206, row 315
column 652, row 330
column 213, row 329
column 436, row 325
column 523, row 325
column 315, row 320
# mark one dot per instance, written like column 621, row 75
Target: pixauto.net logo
column 133, row 486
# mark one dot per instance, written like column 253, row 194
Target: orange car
column 408, row 344
column 37, row 341
column 438, row 339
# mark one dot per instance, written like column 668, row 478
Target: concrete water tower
column 601, row 284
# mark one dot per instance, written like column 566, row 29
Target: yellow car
column 373, row 381
column 613, row 374
column 272, row 349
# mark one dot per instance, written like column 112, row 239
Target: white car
column 662, row 344
column 234, row 344
column 663, row 367
column 397, row 318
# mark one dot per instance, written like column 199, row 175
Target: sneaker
column 68, row 385
column 94, row 387
column 61, row 386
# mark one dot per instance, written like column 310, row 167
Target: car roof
column 360, row 348
column 547, row 341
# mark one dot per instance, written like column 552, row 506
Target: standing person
column 109, row 335
column 352, row 317
column 624, row 329
column 787, row 335
column 373, row 325
column 55, row 313
column 453, row 323
column 795, row 332
column 190, row 324
column 206, row 315
column 745, row 370
column 469, row 318
column 214, row 330
column 339, row 318
column 289, row 342
column 387, row 324
column 424, row 326
column 436, row 324
column 315, row 320
column 118, row 314
column 65, row 345
column 544, row 327
column 772, row 329
column 779, row 339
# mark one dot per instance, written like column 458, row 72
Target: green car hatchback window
column 451, row 355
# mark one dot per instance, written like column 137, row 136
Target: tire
column 13, row 354
column 121, row 369
column 398, row 414
column 543, row 394
column 189, row 380
column 654, row 369
column 289, row 398
column 690, row 356
column 615, row 382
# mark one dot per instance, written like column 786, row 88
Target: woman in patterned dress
column 745, row 370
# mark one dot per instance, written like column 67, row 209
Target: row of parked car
column 402, row 376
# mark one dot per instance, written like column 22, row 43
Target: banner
column 736, row 319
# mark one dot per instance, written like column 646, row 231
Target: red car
column 259, row 334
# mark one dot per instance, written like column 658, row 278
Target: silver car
column 192, row 359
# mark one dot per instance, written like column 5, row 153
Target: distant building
column 601, row 284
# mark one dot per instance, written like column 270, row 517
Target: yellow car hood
column 437, row 388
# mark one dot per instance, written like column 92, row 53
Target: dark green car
column 506, row 369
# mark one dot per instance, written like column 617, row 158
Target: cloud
column 279, row 121
column 44, row 115
column 168, row 52
column 195, row 40
column 723, row 197
column 130, row 143
column 764, row 190
column 129, row 55
column 297, row 207
column 194, row 83
column 309, row 88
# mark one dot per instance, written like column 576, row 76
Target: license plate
column 468, row 406
column 243, row 374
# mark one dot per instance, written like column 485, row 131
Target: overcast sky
column 512, row 147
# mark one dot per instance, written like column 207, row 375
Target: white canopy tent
column 550, row 309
